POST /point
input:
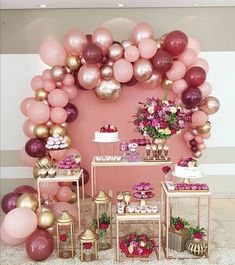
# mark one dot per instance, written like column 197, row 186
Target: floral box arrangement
column 191, row 187
column 136, row 245
column 188, row 162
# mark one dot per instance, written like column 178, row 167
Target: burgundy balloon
column 86, row 177
column 195, row 76
column 105, row 59
column 162, row 61
column 9, row 201
column 40, row 245
column 175, row 42
column 89, row 38
column 35, row 147
column 194, row 148
column 25, row 189
column 131, row 82
column 72, row 112
column 92, row 53
column 191, row 97
column 193, row 142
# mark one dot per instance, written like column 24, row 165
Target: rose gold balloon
column 201, row 147
column 89, row 76
column 195, row 132
column 41, row 94
column 206, row 128
column 142, row 31
column 57, row 73
column 159, row 43
column 103, row 38
column 65, row 125
column 198, row 154
column 106, row 72
column 59, row 84
column 73, row 62
column 83, row 61
column 49, row 124
column 153, row 82
column 58, row 129
column 108, row 90
column 143, row 69
column 67, row 70
column 166, row 83
column 41, row 131
column 210, row 105
column 115, row 52
column 126, row 43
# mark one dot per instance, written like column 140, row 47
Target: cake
column 107, row 134
column 56, row 142
column 187, row 167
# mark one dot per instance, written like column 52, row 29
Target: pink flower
column 155, row 122
column 103, row 226
column 166, row 169
column 63, row 237
column 87, row 245
column 163, row 125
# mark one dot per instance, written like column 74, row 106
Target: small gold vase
column 196, row 246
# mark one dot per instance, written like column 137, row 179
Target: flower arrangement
column 188, row 162
column 166, row 169
column 197, row 233
column 178, row 223
column 136, row 245
column 160, row 118
column 104, row 222
column 64, row 237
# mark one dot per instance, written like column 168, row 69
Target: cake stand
column 187, row 179
column 143, row 200
column 106, row 148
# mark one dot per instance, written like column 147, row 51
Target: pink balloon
column 52, row 53
column 28, row 128
column 20, row 222
column 179, row 86
column 49, row 85
column 199, row 118
column 9, row 240
column 25, row 105
column 188, row 57
column 37, row 82
column 153, row 82
column 46, row 74
column 206, row 135
column 26, row 159
column 123, row 70
column 64, row 194
column 199, row 139
column 188, row 136
column 58, row 115
column 50, row 189
column 75, row 41
column 89, row 76
column 72, row 151
column 142, row 31
column 194, row 45
column 205, row 89
column 68, row 80
column 58, row 154
column 72, row 91
column 131, row 54
column 177, row 71
column 58, row 98
column 202, row 63
column 58, row 207
column 38, row 112
column 103, row 38
column 178, row 101
column 147, row 48
column 201, row 147
column 67, row 184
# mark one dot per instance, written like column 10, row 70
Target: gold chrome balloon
column 41, row 131
column 198, row 154
column 166, row 83
column 41, row 94
column 65, row 125
column 108, row 90
column 159, row 43
column 106, row 72
column 73, row 62
column 204, row 128
column 58, row 129
column 27, row 201
column 44, row 162
column 74, row 197
column 68, row 139
column 36, row 172
column 210, row 105
column 46, row 219
column 57, row 73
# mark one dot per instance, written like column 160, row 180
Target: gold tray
column 145, row 159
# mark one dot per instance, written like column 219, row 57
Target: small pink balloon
column 50, row 188
column 123, row 70
column 9, row 240
column 28, row 128
column 205, row 89
column 68, row 80
column 58, row 154
column 147, row 48
column 201, row 147
column 202, row 63
column 131, row 54
column 58, row 115
column 89, row 76
column 52, row 53
column 142, row 31
column 37, row 82
column 153, row 82
column 199, row 118
column 199, row 139
column 58, row 98
column 103, row 38
column 49, row 85
column 179, row 86
column 26, row 159
column 38, row 112
column 194, row 45
column 188, row 57
column 188, row 136
column 75, row 41
column 25, row 105
column 177, row 71
column 72, row 151
column 46, row 74
column 64, row 194
column 58, row 207
column 67, row 184
column 71, row 91
column 206, row 135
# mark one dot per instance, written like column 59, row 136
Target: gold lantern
column 65, row 235
column 88, row 245
column 102, row 219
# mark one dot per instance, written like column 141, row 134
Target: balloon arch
column 97, row 62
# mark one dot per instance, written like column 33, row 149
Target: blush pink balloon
column 178, row 101
column 201, row 147
column 188, row 57
column 199, row 118
column 38, row 112
column 75, row 41
column 202, row 63
column 64, row 194
column 20, row 222
column 67, row 184
column 49, row 188
column 52, row 53
column 194, row 45
column 205, row 89
column 28, row 128
column 68, row 80
column 123, row 70
column 188, row 136
column 89, row 76
column 177, row 71
column 72, row 151
column 58, row 98
column 206, row 135
column 49, row 85
column 142, row 31
column 199, row 139
column 131, row 54
column 58, row 115
column 9, row 240
column 58, row 207
column 58, row 154
column 25, row 105
column 46, row 74
column 153, row 82
column 37, row 82
column 71, row 91
column 147, row 48
column 179, row 86
column 26, row 159
column 103, row 38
